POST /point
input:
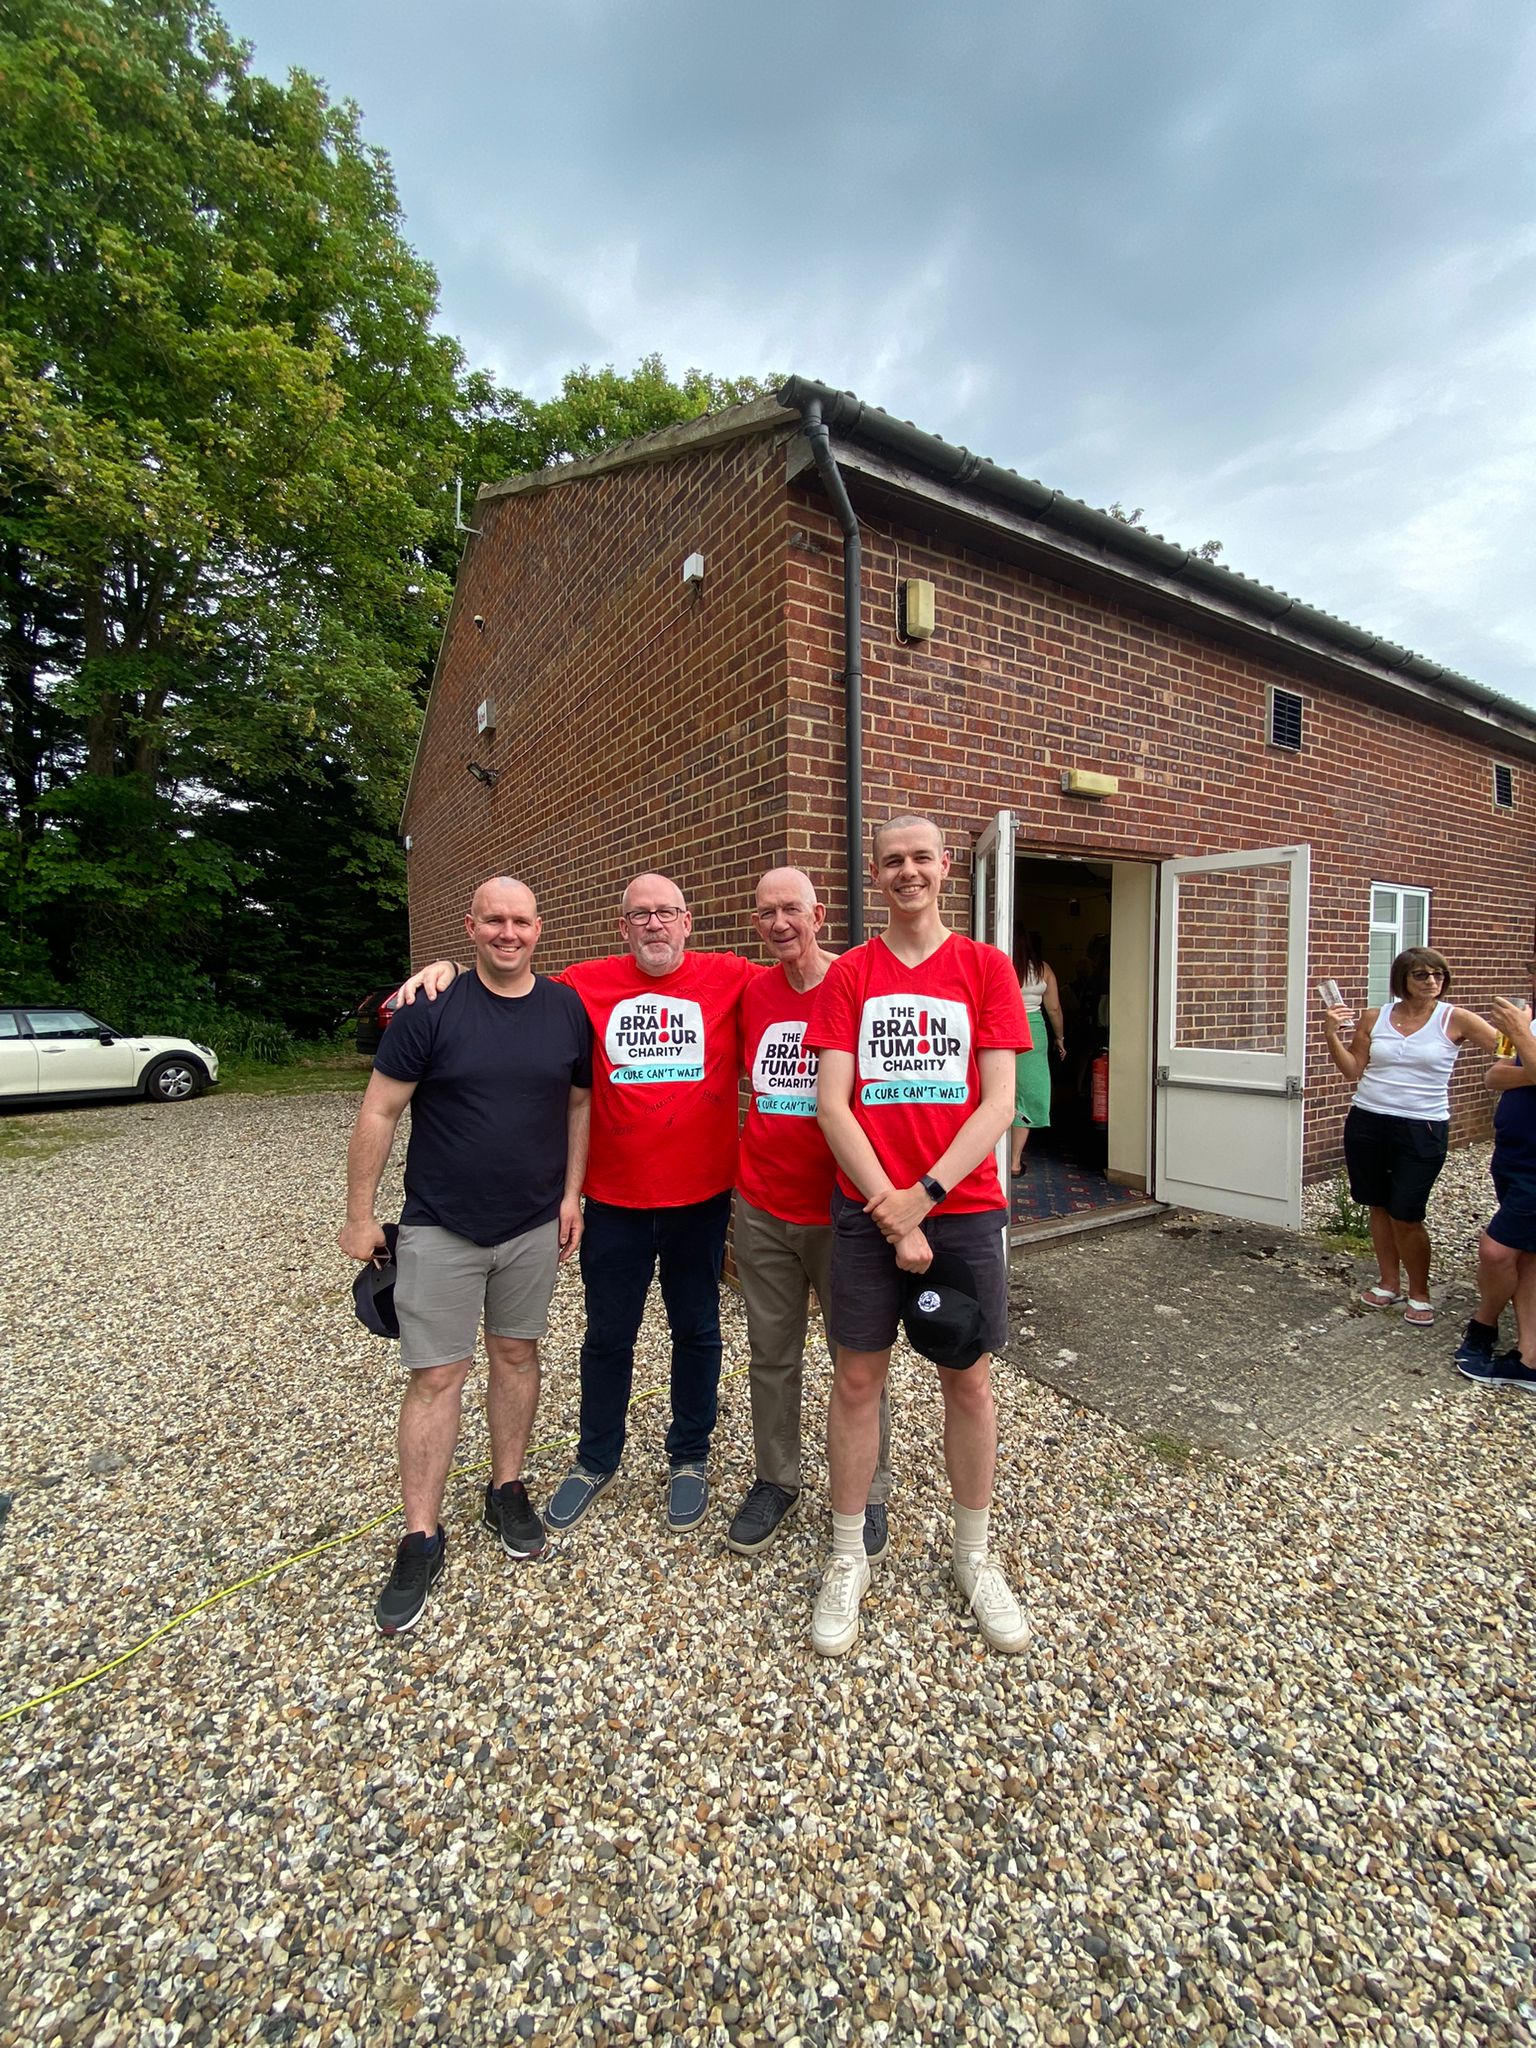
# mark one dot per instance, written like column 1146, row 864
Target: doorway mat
column 1053, row 1188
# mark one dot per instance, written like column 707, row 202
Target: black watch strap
column 934, row 1188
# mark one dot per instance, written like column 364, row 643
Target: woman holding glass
column 1399, row 1061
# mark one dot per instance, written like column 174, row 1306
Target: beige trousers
column 778, row 1264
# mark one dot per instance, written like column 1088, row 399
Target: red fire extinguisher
column 1099, row 1076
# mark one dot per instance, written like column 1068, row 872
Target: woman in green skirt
column 1032, row 1069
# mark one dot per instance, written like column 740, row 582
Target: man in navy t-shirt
column 498, row 1073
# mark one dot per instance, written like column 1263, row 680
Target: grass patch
column 345, row 1072
column 1345, row 1223
column 1169, row 1449
column 31, row 1137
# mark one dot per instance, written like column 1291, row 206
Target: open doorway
column 1091, row 922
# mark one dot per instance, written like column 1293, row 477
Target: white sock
column 970, row 1531
column 847, row 1534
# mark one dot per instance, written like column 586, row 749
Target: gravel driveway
column 1265, row 1775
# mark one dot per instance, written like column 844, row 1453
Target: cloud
column 1265, row 272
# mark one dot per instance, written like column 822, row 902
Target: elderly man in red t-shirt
column 665, row 1057
column 783, row 1211
column 917, row 1031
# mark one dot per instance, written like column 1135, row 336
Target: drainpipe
column 853, row 662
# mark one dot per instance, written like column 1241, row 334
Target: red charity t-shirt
column 915, row 1033
column 787, row 1168
column 666, row 1051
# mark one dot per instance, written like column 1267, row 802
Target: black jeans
column 620, row 1251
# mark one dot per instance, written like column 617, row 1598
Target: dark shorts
column 867, row 1282
column 1394, row 1161
column 1513, row 1223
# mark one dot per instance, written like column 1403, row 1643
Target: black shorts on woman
column 1394, row 1161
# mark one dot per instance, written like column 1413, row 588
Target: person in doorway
column 1399, row 1059
column 1506, row 1249
column 498, row 1075
column 783, row 1213
column 917, row 1030
column 1032, row 1068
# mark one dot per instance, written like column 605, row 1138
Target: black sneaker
column 511, row 1514
column 418, row 1567
column 877, row 1531
column 1477, row 1343
column 760, row 1517
column 1507, row 1370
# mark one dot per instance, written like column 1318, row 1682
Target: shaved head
column 908, row 821
column 655, row 889
column 498, row 882
column 790, row 883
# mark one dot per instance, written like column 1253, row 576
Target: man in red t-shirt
column 783, row 1211
column 917, row 1031
column 666, row 1053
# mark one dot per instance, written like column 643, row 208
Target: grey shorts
column 867, row 1282
column 445, row 1283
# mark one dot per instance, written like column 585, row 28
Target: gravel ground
column 1265, row 1774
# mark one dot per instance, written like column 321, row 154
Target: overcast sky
column 1266, row 270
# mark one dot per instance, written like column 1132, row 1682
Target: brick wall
column 638, row 725
column 1025, row 677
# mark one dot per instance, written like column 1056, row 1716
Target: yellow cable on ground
column 270, row 1571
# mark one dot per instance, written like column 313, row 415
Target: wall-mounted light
column 693, row 572
column 489, row 776
column 914, row 609
column 1085, row 782
column 479, row 623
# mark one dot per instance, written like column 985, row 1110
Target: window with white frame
column 1399, row 919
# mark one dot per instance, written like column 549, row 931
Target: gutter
column 853, row 662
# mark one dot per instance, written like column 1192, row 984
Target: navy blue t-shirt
column 1514, row 1141
column 487, row 1152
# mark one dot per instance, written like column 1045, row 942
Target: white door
column 992, row 918
column 71, row 1058
column 1231, row 1033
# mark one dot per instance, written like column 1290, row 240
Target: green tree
column 228, row 432
column 225, row 427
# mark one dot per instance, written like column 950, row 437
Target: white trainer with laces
column 991, row 1601
column 835, row 1619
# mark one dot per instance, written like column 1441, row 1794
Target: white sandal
column 1379, row 1297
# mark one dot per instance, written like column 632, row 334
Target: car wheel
column 174, row 1080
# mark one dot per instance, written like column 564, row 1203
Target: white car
column 69, row 1052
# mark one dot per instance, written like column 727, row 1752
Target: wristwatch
column 934, row 1189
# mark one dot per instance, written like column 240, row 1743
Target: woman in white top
column 1395, row 1136
column 1032, row 1069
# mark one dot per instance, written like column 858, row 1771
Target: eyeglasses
column 638, row 919
column 1426, row 974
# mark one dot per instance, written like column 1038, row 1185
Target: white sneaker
column 985, row 1588
column 835, row 1619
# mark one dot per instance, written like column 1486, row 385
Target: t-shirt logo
column 784, row 1072
column 911, row 1050
column 655, row 1038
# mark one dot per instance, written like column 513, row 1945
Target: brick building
column 1202, row 794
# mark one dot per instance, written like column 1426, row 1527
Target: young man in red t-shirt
column 917, row 1032
column 783, row 1211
